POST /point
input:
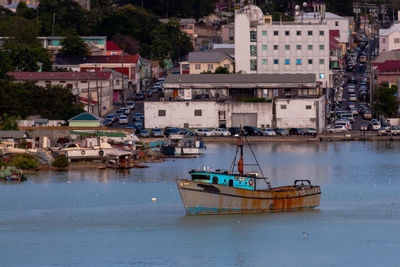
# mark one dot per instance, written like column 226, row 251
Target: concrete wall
column 294, row 113
column 242, row 43
column 215, row 65
column 343, row 26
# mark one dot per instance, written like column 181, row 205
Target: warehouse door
column 244, row 119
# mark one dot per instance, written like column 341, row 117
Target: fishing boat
column 177, row 145
column 230, row 192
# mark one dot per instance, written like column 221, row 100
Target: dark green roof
column 98, row 133
column 85, row 117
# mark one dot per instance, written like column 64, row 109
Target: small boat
column 11, row 173
column 230, row 191
column 178, row 145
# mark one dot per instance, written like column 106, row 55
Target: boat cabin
column 247, row 181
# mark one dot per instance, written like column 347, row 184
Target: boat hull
column 203, row 198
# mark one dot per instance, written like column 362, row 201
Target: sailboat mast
column 240, row 162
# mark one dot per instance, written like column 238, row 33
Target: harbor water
column 108, row 218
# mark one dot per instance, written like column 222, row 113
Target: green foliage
column 206, row 72
column 24, row 11
column 23, row 99
column 61, row 162
column 254, row 99
column 73, row 45
column 387, row 103
column 24, row 162
column 221, row 70
column 8, row 123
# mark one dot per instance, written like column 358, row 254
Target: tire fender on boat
column 251, row 181
column 101, row 152
column 83, row 152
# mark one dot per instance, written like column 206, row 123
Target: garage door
column 244, row 119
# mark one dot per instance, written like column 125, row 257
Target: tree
column 387, row 103
column 221, row 70
column 8, row 123
column 73, row 45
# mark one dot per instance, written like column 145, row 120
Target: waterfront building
column 264, row 46
column 232, row 100
column 93, row 90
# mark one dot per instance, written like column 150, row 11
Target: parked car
column 345, row 123
column 126, row 110
column 171, row 130
column 234, row 130
column 161, row 80
column 123, row 119
column 352, row 97
column 221, row 132
column 354, row 111
column 364, row 127
column 394, row 130
column 111, row 117
column 351, row 105
column 157, row 84
column 139, row 126
column 203, row 132
column 156, row 132
column 130, row 105
column 144, row 133
column 296, row 131
column 375, row 125
column 118, row 113
column 107, row 122
column 138, row 116
column 351, row 88
column 382, row 131
column 281, row 131
column 310, row 131
column 184, row 131
column 337, row 129
column 139, row 96
column 267, row 132
column 251, row 130
column 367, row 114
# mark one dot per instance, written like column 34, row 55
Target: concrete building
column 90, row 88
column 263, row 46
column 334, row 22
column 210, row 60
column 228, row 33
column 389, row 39
column 220, row 100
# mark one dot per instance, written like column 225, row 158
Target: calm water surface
column 107, row 218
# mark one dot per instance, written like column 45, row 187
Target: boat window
column 200, row 177
column 230, row 182
column 215, row 180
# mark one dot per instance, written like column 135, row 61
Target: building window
column 253, row 64
column 264, row 33
column 383, row 40
column 253, row 36
column 287, row 33
column 210, row 66
column 83, row 81
column 283, row 106
column 62, row 81
column 310, row 61
column 162, row 113
column 336, row 23
column 321, row 47
column 321, row 33
column 226, row 66
column 298, row 61
column 253, row 50
column 309, row 47
column 264, row 47
column 264, row 61
column 287, row 61
column 276, row 33
column 308, row 106
column 321, row 76
column 287, row 47
column 309, row 33
column 321, row 61
column 298, row 47
column 276, row 61
column 117, row 81
column 276, row 47
column 197, row 66
column 298, row 33
column 396, row 40
column 198, row 112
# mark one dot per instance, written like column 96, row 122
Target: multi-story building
column 389, row 39
column 263, row 46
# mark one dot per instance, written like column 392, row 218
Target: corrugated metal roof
column 77, row 60
column 241, row 78
column 207, row 57
column 85, row 117
column 12, row 134
column 68, row 75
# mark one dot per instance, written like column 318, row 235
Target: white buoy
column 154, row 199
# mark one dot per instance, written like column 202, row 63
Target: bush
column 24, row 162
column 61, row 162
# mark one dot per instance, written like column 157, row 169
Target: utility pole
column 97, row 91
column 122, row 78
column 88, row 91
column 54, row 20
